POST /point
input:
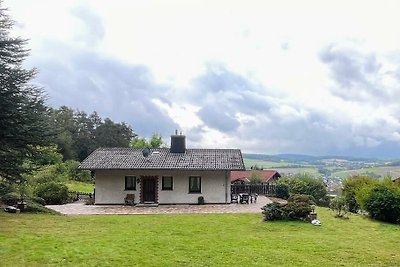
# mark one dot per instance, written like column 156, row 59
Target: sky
column 269, row 77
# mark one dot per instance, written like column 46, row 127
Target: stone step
column 146, row 205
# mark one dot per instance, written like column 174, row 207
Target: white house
column 173, row 175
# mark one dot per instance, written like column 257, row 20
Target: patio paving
column 79, row 208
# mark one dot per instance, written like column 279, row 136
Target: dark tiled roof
column 193, row 159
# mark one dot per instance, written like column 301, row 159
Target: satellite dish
column 146, row 152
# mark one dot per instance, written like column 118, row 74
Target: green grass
column 79, row 186
column 267, row 164
column 195, row 240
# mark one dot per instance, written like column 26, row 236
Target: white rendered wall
column 215, row 186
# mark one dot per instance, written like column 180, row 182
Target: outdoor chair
column 253, row 198
column 129, row 199
column 234, row 198
column 244, row 198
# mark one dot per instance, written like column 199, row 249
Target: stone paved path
column 79, row 208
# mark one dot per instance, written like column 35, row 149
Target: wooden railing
column 261, row 189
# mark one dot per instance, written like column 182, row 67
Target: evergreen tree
column 24, row 117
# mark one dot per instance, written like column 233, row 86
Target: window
column 167, row 183
column 194, row 184
column 130, row 182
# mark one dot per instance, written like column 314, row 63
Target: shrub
column 351, row 186
column 307, row 185
column 297, row 210
column 11, row 199
column 255, row 177
column 38, row 200
column 282, row 190
column 299, row 198
column 53, row 193
column 339, row 206
column 383, row 203
column 34, row 207
column 84, row 176
column 274, row 212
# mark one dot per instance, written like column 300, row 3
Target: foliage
column 282, row 190
column 383, row 203
column 79, row 134
column 111, row 134
column 351, row 185
column 60, row 172
column 339, row 206
column 24, row 117
column 255, row 178
column 73, row 172
column 53, row 193
column 273, row 212
column 38, row 200
column 307, row 185
column 155, row 141
column 301, row 198
column 256, row 167
column 10, row 198
column 45, row 155
column 297, row 208
column 35, row 207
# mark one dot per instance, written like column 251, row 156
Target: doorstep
column 150, row 204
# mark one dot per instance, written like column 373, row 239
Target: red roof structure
column 267, row 176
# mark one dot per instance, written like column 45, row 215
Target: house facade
column 173, row 175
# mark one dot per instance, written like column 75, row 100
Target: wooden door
column 149, row 189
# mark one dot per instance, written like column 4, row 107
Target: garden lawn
column 195, row 240
column 79, row 186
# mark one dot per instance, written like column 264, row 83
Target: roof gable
column 162, row 158
column 265, row 175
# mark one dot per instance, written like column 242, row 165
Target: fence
column 261, row 189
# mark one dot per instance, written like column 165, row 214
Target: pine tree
column 24, row 117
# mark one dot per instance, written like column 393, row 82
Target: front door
column 149, row 189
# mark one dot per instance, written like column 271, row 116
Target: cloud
column 215, row 116
column 222, row 94
column 87, row 81
column 91, row 30
column 357, row 74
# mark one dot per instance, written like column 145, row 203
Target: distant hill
column 296, row 158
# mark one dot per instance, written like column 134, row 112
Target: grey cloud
column 356, row 74
column 216, row 117
column 222, row 93
column 90, row 82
